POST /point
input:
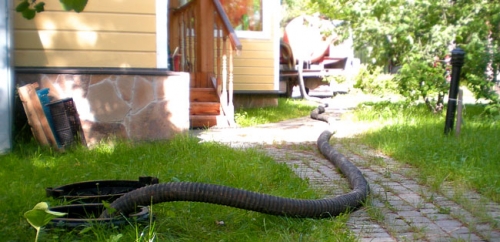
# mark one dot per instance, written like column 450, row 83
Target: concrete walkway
column 398, row 209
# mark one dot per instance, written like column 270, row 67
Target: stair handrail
column 227, row 106
column 223, row 67
column 228, row 28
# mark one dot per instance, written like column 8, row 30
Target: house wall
column 122, row 33
column 134, row 104
column 254, row 67
column 110, row 33
column 257, row 66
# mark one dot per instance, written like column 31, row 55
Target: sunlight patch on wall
column 86, row 35
column 49, row 25
column 87, row 38
column 84, row 109
column 47, row 37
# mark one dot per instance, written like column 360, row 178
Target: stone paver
column 398, row 208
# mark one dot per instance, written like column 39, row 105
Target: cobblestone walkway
column 398, row 208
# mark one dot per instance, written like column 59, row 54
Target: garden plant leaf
column 40, row 215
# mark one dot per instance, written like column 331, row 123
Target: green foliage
column 413, row 135
column 287, row 109
column 29, row 8
column 292, row 9
column 75, row 5
column 493, row 111
column 411, row 33
column 40, row 216
column 371, row 80
column 29, row 169
column 419, row 79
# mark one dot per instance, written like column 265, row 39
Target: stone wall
column 136, row 104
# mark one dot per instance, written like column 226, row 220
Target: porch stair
column 204, row 108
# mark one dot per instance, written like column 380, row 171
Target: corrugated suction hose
column 238, row 198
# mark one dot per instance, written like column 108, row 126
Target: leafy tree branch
column 29, row 8
column 405, row 36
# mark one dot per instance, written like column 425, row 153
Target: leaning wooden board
column 36, row 117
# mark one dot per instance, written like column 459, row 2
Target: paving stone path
column 398, row 208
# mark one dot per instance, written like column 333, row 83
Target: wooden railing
column 206, row 43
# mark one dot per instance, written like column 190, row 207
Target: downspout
column 162, row 50
column 6, row 87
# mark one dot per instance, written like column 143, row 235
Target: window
column 249, row 18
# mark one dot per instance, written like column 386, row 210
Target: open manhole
column 88, row 214
column 98, row 191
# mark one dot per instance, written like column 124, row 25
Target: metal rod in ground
column 459, row 113
column 457, row 61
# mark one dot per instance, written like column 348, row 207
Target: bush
column 420, row 79
column 372, row 80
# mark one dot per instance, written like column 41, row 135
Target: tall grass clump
column 287, row 109
column 412, row 134
column 29, row 169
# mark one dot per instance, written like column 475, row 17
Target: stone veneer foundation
column 255, row 100
column 135, row 104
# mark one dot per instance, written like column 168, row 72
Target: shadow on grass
column 29, row 169
column 414, row 135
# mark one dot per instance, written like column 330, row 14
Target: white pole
column 162, row 34
column 459, row 112
column 6, row 79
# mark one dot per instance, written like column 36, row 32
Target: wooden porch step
column 203, row 95
column 203, row 121
column 204, row 108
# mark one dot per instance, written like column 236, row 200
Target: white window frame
column 267, row 7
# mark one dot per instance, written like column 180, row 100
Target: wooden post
column 173, row 28
column 459, row 112
column 205, row 41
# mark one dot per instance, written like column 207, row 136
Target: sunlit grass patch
column 29, row 169
column 414, row 135
column 287, row 109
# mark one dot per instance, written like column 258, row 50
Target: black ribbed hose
column 318, row 114
column 238, row 198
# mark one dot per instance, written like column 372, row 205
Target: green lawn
column 413, row 135
column 28, row 170
column 409, row 134
column 287, row 109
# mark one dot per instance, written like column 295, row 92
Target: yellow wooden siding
column 109, row 6
column 254, row 67
column 111, row 33
column 85, row 59
column 251, row 70
column 255, row 88
column 254, row 62
column 85, row 40
column 88, row 21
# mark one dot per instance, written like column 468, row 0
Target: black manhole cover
column 97, row 191
column 88, row 214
